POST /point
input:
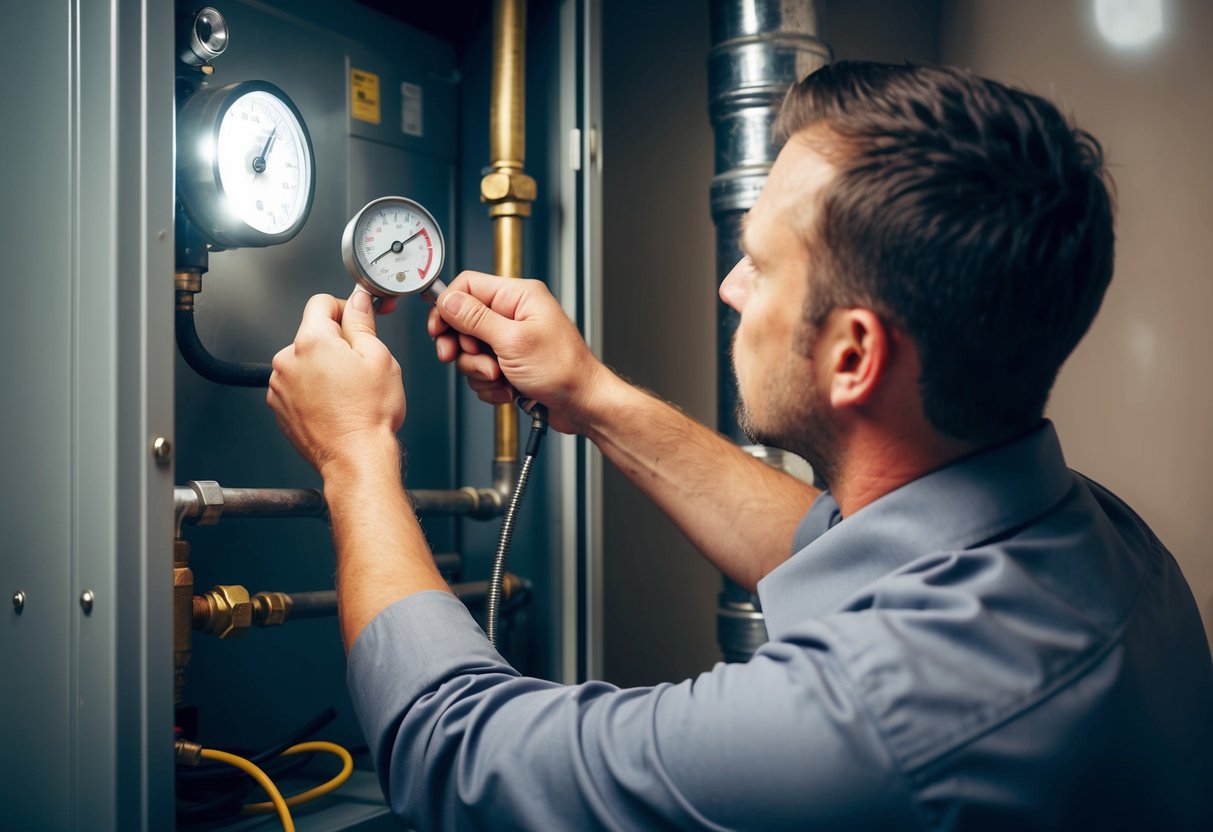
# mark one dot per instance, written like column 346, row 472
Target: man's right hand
column 511, row 338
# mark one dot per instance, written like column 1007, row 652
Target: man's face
column 773, row 348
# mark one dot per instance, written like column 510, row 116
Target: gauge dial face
column 263, row 162
column 245, row 169
column 393, row 246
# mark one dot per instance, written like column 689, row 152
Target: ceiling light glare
column 1129, row 24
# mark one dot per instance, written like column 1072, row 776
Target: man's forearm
column 739, row 512
column 382, row 555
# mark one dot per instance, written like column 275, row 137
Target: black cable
column 219, row 770
column 212, row 803
column 212, row 368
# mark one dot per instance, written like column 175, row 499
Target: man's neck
column 874, row 462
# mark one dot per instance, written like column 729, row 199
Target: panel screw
column 86, row 601
column 162, row 450
column 18, row 601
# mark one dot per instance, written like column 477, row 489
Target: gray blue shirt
column 1001, row 644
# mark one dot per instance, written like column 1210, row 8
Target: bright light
column 1129, row 23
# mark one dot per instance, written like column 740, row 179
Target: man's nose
column 735, row 287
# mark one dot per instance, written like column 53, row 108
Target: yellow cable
column 276, row 802
column 347, row 768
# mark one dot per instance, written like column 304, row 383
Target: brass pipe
column 507, row 190
column 507, row 113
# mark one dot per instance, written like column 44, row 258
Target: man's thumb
column 471, row 317
column 358, row 319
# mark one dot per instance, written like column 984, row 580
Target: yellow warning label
column 364, row 95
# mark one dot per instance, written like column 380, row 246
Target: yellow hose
column 347, row 769
column 276, row 802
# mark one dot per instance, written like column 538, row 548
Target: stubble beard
column 794, row 417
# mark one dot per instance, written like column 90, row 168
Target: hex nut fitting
column 231, row 611
column 271, row 608
column 508, row 186
column 210, row 498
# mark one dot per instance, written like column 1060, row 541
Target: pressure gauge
column 245, row 168
column 394, row 247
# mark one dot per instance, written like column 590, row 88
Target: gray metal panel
column 88, row 699
column 35, row 443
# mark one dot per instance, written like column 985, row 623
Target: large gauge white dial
column 245, row 167
column 393, row 246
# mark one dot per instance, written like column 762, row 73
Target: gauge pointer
column 259, row 160
column 396, row 247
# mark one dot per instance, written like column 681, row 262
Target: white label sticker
column 411, row 120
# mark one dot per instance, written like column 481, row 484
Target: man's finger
column 320, row 319
column 358, row 318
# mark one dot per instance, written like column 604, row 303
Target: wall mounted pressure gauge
column 245, row 168
column 394, row 247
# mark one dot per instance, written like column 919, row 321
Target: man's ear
column 858, row 350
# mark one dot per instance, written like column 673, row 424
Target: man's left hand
column 336, row 390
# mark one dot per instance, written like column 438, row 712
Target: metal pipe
column 203, row 502
column 507, row 111
column 273, row 608
column 760, row 48
column 506, row 189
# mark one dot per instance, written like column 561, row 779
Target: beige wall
column 659, row 320
column 1134, row 405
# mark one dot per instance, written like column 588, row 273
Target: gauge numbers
column 263, row 165
column 393, row 246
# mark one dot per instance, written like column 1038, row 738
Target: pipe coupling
column 508, row 192
column 271, row 608
column 228, row 612
column 210, row 501
column 187, row 753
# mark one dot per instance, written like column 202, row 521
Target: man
column 964, row 633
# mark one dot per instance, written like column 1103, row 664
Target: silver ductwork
column 759, row 49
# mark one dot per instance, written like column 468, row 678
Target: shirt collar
column 956, row 507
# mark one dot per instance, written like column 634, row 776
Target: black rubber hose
column 213, row 770
column 220, row 799
column 212, row 368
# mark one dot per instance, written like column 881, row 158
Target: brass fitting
column 188, row 753
column 228, row 612
column 271, row 608
column 509, row 192
column 510, row 583
column 188, row 281
column 183, row 592
column 187, row 284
